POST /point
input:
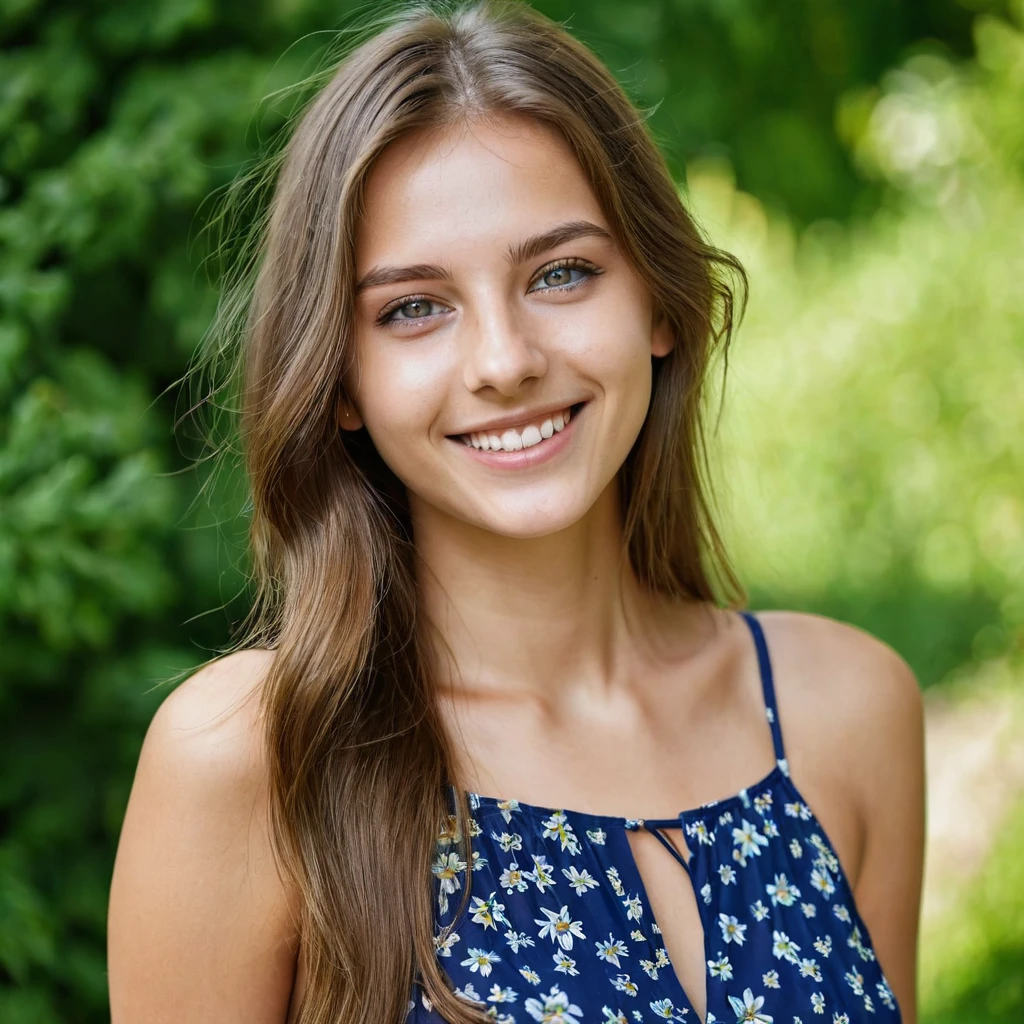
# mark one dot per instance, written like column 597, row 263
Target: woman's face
column 493, row 297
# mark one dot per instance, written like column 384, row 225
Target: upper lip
column 516, row 419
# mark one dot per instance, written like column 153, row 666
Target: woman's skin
column 567, row 687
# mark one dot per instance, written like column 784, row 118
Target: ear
column 348, row 415
column 663, row 335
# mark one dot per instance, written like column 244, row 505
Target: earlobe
column 663, row 336
column 348, row 417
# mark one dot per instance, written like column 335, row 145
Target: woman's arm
column 892, row 778
column 201, row 927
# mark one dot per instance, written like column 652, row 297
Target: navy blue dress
column 559, row 928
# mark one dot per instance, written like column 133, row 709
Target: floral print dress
column 559, row 927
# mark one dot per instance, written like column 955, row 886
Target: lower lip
column 526, row 457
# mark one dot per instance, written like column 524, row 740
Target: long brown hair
column 361, row 770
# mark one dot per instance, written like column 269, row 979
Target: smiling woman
column 476, row 338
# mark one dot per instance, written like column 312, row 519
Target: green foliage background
column 865, row 160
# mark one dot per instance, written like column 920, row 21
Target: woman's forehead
column 479, row 180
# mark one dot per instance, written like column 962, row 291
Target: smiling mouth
column 514, row 439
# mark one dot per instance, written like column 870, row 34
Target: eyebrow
column 516, row 254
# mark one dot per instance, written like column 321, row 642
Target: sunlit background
column 866, row 162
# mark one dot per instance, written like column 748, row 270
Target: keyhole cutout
column 673, row 904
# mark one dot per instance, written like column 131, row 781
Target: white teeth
column 513, row 440
column 531, row 436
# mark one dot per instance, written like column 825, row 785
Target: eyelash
column 386, row 315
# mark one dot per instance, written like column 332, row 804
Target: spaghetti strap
column 768, row 686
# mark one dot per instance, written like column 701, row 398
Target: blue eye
column 559, row 276
column 420, row 311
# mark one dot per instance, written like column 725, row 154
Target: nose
column 501, row 351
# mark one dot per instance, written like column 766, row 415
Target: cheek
column 402, row 394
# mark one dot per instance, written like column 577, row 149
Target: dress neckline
column 779, row 772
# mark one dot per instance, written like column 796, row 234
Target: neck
column 555, row 619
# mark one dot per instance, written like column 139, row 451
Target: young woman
column 501, row 747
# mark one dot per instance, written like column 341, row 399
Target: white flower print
column 749, row 1008
column 856, row 981
column 700, row 831
column 581, row 881
column 783, row 947
column 705, row 892
column 508, row 808
column 855, row 942
column 541, row 875
column 762, row 802
column 613, row 877
column 661, row 957
column 818, row 1002
column 840, row 1018
column 446, row 869
column 508, row 842
column 759, row 910
column 560, row 927
column 479, row 862
column 613, row 1016
column 530, row 975
column 726, row 873
column 782, row 891
column 513, row 879
column 611, row 950
column 623, row 984
column 634, row 908
column 822, row 881
column 558, row 827
column 823, row 945
column 443, row 943
column 749, row 840
column 468, row 993
column 810, row 969
column 663, row 1008
column 720, row 968
column 885, row 994
column 480, row 960
column 796, row 849
column 488, row 911
column 841, row 912
column 636, row 935
column 554, row 1008
column 770, row 979
column 518, row 940
column 564, row 964
column 597, row 837
column 502, row 995
column 732, row 930
column 650, row 969
column 809, row 909
column 825, row 854
column 770, row 829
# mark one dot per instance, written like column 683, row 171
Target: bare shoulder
column 841, row 672
column 201, row 924
column 211, row 721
